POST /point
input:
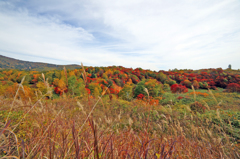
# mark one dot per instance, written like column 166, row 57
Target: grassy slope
column 170, row 129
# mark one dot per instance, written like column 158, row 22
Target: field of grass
column 200, row 125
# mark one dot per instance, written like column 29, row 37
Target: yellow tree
column 96, row 92
column 55, row 82
column 72, row 73
column 41, row 87
column 61, row 84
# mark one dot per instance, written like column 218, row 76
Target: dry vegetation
column 66, row 128
column 109, row 127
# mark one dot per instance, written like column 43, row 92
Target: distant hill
column 11, row 63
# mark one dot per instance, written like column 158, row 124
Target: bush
column 140, row 96
column 154, row 88
column 127, row 92
column 180, row 97
column 166, row 87
column 195, row 84
column 203, row 85
column 170, row 82
column 233, row 87
column 177, row 88
column 187, row 83
column 197, row 107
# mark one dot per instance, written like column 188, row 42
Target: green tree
column 230, row 66
column 139, row 89
column 49, row 77
column 104, row 76
column 153, row 86
column 161, row 77
column 56, row 74
column 75, row 87
column 170, row 81
column 127, row 92
column 28, row 79
column 93, row 75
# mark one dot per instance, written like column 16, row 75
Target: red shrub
column 233, row 87
column 113, row 91
column 177, row 88
column 57, row 91
column 204, row 73
column 192, row 75
column 180, row 97
column 140, row 96
column 88, row 90
column 211, row 83
column 60, row 91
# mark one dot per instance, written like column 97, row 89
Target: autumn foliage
column 198, row 107
column 117, row 112
column 233, row 87
column 140, row 96
column 126, row 83
column 177, row 88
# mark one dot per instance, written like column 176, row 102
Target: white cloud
column 148, row 34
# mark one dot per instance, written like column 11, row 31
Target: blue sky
column 151, row 34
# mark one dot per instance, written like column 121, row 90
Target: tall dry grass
column 57, row 131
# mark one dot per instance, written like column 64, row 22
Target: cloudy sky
column 151, row 34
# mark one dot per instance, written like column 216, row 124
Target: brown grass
column 61, row 124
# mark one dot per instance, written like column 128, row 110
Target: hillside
column 11, row 63
column 98, row 112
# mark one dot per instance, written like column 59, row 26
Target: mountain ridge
column 12, row 63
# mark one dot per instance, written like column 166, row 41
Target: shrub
column 197, row 107
column 161, row 77
column 140, row 96
column 187, row 83
column 166, row 87
column 88, row 90
column 127, row 92
column 211, row 83
column 203, row 85
column 170, row 82
column 177, row 88
column 153, row 86
column 139, row 89
column 180, row 97
column 195, row 84
column 233, row 87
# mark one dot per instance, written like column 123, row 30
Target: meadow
column 115, row 112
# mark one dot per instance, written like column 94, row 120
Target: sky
column 151, row 34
